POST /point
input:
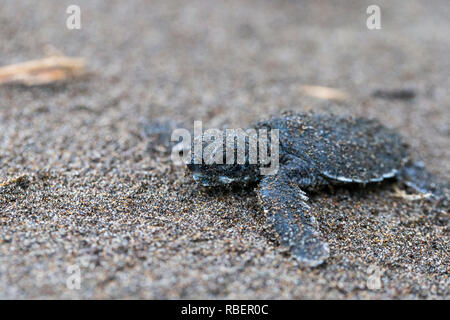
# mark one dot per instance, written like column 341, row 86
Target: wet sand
column 83, row 187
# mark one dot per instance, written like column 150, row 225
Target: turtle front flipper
column 418, row 178
column 289, row 215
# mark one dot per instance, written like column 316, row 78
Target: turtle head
column 211, row 166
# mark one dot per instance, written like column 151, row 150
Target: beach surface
column 92, row 207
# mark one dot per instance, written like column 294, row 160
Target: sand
column 84, row 190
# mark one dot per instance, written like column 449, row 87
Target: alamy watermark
column 373, row 21
column 73, row 281
column 374, row 278
column 73, row 21
column 230, row 146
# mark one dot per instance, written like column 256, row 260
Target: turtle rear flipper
column 289, row 215
column 418, row 178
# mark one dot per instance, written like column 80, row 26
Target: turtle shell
column 343, row 149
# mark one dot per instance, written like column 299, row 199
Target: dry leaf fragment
column 42, row 71
column 324, row 93
column 410, row 197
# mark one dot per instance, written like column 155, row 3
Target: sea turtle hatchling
column 314, row 151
